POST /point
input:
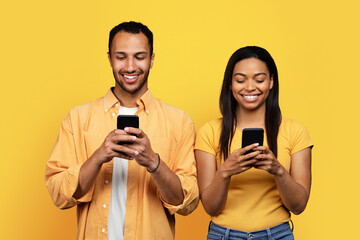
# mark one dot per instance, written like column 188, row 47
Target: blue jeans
column 278, row 232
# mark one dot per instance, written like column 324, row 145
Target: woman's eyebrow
column 241, row 74
column 257, row 74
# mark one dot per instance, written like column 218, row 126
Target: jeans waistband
column 272, row 230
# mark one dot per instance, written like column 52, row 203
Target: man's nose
column 130, row 65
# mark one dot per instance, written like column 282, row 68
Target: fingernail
column 133, row 138
column 136, row 153
column 126, row 129
column 256, row 144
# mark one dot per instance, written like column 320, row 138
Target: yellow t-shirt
column 253, row 200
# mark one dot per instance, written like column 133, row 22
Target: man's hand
column 110, row 147
column 141, row 149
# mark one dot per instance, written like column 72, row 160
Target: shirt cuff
column 72, row 178
column 191, row 197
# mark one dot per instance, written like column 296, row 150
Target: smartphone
column 124, row 121
column 252, row 135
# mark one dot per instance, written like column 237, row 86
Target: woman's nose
column 250, row 85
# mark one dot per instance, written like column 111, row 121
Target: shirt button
column 106, row 181
column 104, row 206
column 113, row 114
column 106, row 110
column 103, row 230
column 116, row 105
column 147, row 111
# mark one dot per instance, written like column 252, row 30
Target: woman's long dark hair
column 228, row 103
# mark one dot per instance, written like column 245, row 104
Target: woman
column 251, row 195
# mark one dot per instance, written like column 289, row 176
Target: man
column 126, row 191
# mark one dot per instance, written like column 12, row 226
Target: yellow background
column 53, row 57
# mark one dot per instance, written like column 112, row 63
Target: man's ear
column 109, row 57
column 152, row 60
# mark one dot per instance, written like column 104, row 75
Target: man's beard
column 136, row 89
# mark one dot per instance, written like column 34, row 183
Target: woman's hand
column 268, row 162
column 239, row 162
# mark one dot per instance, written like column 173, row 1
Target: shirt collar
column 144, row 102
column 109, row 100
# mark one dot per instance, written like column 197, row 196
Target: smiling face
column 131, row 62
column 251, row 84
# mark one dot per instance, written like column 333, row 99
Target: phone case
column 124, row 121
column 252, row 135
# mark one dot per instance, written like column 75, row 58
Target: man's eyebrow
column 137, row 53
column 143, row 52
column 118, row 52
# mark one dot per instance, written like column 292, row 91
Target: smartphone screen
column 124, row 121
column 252, row 135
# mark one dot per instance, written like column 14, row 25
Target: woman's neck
column 250, row 118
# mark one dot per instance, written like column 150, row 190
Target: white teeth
column 251, row 97
column 129, row 77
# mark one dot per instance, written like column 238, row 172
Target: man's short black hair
column 135, row 28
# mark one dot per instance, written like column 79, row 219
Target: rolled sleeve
column 191, row 198
column 185, row 168
column 63, row 168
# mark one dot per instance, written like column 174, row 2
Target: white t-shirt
column 116, row 218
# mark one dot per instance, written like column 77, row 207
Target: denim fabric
column 278, row 232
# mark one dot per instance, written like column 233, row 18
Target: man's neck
column 128, row 99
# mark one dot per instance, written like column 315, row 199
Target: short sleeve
column 300, row 138
column 207, row 138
